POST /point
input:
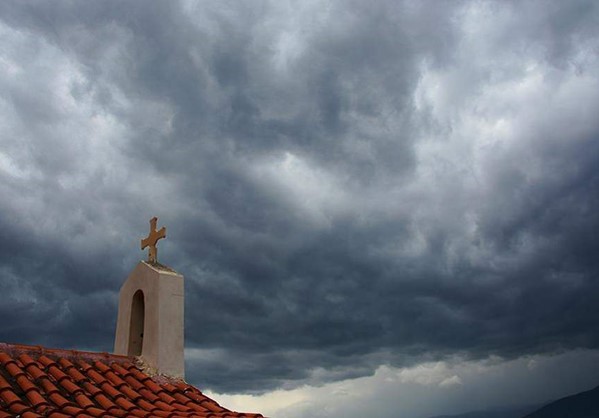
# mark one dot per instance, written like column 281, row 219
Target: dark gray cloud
column 345, row 185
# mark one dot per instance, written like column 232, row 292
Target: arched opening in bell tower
column 136, row 328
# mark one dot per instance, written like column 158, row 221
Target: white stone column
column 158, row 311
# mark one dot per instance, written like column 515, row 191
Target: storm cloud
column 346, row 185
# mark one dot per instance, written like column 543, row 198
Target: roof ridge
column 38, row 350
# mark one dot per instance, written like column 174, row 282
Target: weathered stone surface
column 150, row 319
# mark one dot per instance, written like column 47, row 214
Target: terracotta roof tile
column 96, row 377
column 162, row 414
column 150, row 396
column 25, row 383
column 97, row 412
column 9, row 397
column 91, row 389
column 83, row 400
column 36, row 399
column 19, row 408
column 58, row 415
column 59, row 400
column 109, row 390
column 40, row 382
column 117, row 412
column 140, row 413
column 152, row 386
column 48, row 386
column 166, row 398
column 120, row 369
column 134, row 383
column 146, row 405
column 104, row 401
column 164, row 406
column 72, row 410
column 4, row 384
column 130, row 393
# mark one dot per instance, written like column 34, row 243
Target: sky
column 382, row 208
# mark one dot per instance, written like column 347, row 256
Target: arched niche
column 136, row 328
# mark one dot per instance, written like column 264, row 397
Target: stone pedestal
column 150, row 319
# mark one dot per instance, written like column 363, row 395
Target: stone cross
column 152, row 239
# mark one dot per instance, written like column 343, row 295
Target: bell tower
column 150, row 317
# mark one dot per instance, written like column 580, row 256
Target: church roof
column 40, row 382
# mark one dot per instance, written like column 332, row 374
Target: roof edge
column 38, row 350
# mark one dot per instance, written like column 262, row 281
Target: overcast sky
column 395, row 201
